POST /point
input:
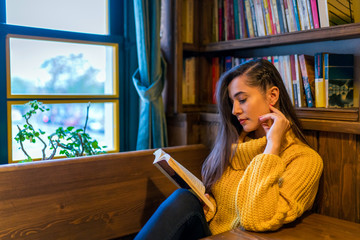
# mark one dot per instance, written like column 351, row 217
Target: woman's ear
column 273, row 95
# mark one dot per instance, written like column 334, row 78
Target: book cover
column 314, row 12
column 188, row 21
column 294, row 8
column 308, row 77
column 252, row 8
column 236, row 19
column 260, row 23
column 188, row 86
column 282, row 16
column 221, row 19
column 303, row 15
column 229, row 20
column 215, row 23
column 287, row 79
column 180, row 176
column 309, row 13
column 215, row 76
column 323, row 13
column 320, row 97
column 289, row 13
column 268, row 18
column 242, row 21
column 294, row 80
column 249, row 19
column 300, row 84
column 228, row 63
column 275, row 16
column 339, row 70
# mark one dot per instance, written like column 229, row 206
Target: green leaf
column 69, row 128
column 37, row 134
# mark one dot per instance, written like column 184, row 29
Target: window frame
column 121, row 32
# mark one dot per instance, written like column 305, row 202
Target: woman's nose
column 236, row 110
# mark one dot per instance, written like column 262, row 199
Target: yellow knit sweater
column 261, row 192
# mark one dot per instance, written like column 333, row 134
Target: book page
column 180, row 176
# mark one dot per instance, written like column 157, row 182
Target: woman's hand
column 275, row 125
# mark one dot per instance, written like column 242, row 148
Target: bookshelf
column 334, row 39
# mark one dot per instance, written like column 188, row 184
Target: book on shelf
column 320, row 97
column 215, row 22
column 308, row 77
column 188, row 83
column 229, row 20
column 215, row 74
column 188, row 21
column 267, row 17
column 339, row 80
column 241, row 16
column 276, row 17
column 260, row 26
column 314, row 13
column 300, row 85
column 309, row 12
column 180, row 176
column 294, row 81
column 294, row 8
column 303, row 15
column 289, row 13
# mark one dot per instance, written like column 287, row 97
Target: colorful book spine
column 242, row 20
column 339, row 69
column 275, row 16
column 303, row 15
column 267, row 17
column 320, row 97
column 300, row 85
column 228, row 63
column 236, row 20
column 215, row 22
column 309, row 13
column 289, row 13
column 282, row 16
column 314, row 12
column 229, row 23
column 296, row 14
column 249, row 19
column 293, row 79
column 260, row 23
column 221, row 20
column 308, row 77
column 323, row 13
column 215, row 77
column 288, row 79
column 252, row 8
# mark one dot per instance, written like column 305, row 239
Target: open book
column 180, row 176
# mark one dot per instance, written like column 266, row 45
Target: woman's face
column 249, row 103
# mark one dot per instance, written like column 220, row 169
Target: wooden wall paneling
column 167, row 35
column 204, row 80
column 339, row 191
column 312, row 138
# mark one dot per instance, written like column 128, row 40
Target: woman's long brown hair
column 262, row 74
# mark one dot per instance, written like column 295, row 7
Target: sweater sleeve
column 274, row 191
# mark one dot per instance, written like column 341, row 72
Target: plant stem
column 43, row 150
column 22, row 146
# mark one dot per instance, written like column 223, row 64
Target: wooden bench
column 308, row 227
column 96, row 197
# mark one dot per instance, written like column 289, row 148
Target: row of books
column 323, row 80
column 237, row 19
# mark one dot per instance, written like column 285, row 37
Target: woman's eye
column 242, row 100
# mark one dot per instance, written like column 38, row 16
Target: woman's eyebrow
column 238, row 93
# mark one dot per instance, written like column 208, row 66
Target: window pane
column 69, row 15
column 101, row 124
column 45, row 67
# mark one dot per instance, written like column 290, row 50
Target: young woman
column 261, row 173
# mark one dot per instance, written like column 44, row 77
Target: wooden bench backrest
column 95, row 197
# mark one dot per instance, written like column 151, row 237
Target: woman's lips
column 242, row 121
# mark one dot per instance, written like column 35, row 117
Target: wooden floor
column 312, row 226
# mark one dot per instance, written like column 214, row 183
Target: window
column 64, row 54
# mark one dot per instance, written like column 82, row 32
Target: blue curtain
column 150, row 76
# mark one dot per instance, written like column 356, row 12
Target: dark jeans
column 180, row 216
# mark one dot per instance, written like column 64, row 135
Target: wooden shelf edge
column 331, row 126
column 340, row 32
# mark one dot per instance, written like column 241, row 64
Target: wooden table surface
column 312, row 226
